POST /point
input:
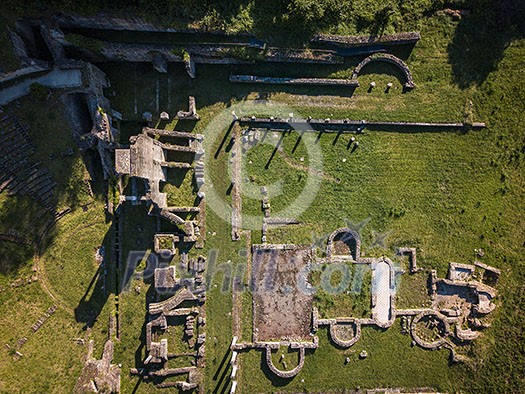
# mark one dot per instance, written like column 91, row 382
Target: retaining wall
column 293, row 81
column 357, row 41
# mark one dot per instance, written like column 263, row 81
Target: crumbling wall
column 356, row 41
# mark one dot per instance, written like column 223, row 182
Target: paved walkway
column 68, row 78
column 381, row 290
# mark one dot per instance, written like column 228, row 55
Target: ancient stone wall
column 412, row 261
column 387, row 57
column 355, row 41
column 347, row 125
column 284, row 374
column 293, row 81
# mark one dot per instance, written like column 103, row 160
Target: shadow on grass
column 275, row 150
column 185, row 125
column 98, row 290
column 223, row 141
column 274, row 379
column 23, row 224
column 140, row 352
column 27, row 227
column 221, row 373
column 175, row 177
column 481, row 38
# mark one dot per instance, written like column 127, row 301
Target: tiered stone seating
column 21, row 175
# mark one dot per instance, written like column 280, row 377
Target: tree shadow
column 480, row 39
column 186, row 125
column 221, row 373
column 271, row 23
column 38, row 179
column 98, row 290
column 381, row 20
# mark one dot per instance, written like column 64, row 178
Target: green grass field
column 445, row 193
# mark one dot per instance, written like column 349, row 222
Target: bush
column 81, row 41
column 38, row 91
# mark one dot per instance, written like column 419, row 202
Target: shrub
column 38, row 91
column 85, row 42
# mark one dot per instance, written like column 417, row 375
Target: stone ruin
column 460, row 304
column 165, row 243
column 459, row 300
column 268, row 221
column 149, row 157
column 180, row 291
column 350, row 126
column 280, row 317
column 191, row 114
column 99, row 376
column 353, row 82
column 360, row 41
column 179, row 298
column 389, row 58
column 18, row 173
column 292, row 81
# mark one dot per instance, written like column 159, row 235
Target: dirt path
column 43, row 279
column 238, row 288
column 44, row 284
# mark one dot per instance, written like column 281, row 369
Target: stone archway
column 387, row 57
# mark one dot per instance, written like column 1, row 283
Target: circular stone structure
column 430, row 329
column 339, row 333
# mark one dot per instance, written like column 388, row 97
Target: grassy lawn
column 445, row 193
column 20, row 213
column 130, row 350
column 81, row 236
column 180, row 189
column 43, row 360
column 354, row 301
column 391, row 362
column 412, row 291
column 67, row 265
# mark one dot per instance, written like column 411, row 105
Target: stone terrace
column 18, row 172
